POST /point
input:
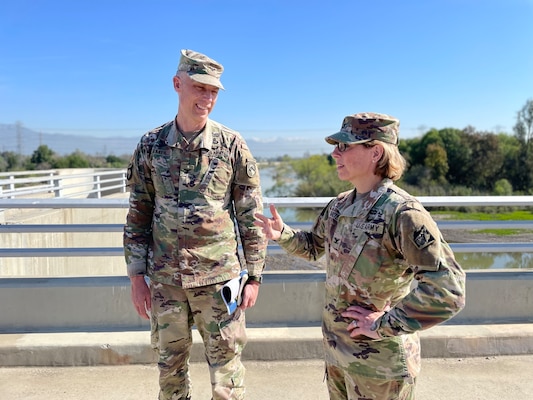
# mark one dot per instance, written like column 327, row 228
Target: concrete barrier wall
column 285, row 299
column 64, row 266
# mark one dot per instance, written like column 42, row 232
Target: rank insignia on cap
column 251, row 169
column 423, row 238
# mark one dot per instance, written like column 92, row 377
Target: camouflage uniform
column 377, row 247
column 181, row 233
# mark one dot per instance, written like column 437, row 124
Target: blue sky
column 292, row 68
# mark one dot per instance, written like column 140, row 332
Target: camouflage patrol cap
column 201, row 68
column 367, row 126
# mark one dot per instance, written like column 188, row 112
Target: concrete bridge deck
column 487, row 378
column 489, row 362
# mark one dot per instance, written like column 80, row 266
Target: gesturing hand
column 271, row 227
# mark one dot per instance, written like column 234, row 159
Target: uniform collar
column 362, row 207
column 203, row 141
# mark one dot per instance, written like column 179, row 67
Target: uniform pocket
column 161, row 176
column 217, row 181
column 233, row 331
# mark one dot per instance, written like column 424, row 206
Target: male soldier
column 193, row 185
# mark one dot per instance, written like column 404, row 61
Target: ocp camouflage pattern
column 173, row 312
column 383, row 250
column 187, row 203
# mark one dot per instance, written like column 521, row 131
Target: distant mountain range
column 22, row 140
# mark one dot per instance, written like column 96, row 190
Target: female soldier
column 389, row 274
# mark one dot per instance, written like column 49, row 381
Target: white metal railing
column 96, row 183
column 290, row 202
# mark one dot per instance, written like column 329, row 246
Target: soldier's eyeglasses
column 342, row 147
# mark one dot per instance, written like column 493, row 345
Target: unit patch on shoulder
column 251, row 169
column 422, row 237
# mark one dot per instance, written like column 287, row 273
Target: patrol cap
column 201, row 68
column 367, row 126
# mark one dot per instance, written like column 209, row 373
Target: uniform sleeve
column 439, row 292
column 248, row 201
column 308, row 245
column 137, row 230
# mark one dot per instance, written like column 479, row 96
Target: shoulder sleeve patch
column 419, row 238
column 422, row 237
column 251, row 168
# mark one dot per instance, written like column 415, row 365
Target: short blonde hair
column 391, row 164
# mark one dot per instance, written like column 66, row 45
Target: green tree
column 417, row 148
column 116, row 162
column 502, row 187
column 437, row 161
column 3, row 163
column 14, row 161
column 524, row 123
column 486, row 160
column 512, row 167
column 317, row 177
column 455, row 143
column 417, row 175
column 523, row 129
column 42, row 158
column 73, row 160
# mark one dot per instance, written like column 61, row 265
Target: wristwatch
column 258, row 279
